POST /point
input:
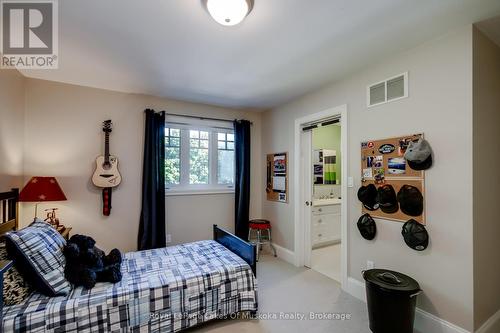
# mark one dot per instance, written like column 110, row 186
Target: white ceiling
column 284, row 49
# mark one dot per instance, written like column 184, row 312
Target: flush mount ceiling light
column 229, row 12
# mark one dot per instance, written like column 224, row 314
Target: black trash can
column 391, row 298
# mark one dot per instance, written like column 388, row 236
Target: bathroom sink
column 326, row 202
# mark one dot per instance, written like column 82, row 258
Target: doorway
column 326, row 198
column 321, row 182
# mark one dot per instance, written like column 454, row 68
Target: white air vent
column 389, row 90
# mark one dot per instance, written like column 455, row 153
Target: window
column 172, row 156
column 198, row 158
column 225, row 158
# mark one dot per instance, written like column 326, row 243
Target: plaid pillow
column 37, row 250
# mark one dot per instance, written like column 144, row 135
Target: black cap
column 368, row 196
column 387, row 200
column 424, row 165
column 411, row 200
column 415, row 235
column 367, row 227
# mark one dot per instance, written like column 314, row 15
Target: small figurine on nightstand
column 53, row 220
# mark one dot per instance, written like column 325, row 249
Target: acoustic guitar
column 106, row 174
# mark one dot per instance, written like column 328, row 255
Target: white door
column 306, row 191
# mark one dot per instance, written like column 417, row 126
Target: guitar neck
column 106, row 148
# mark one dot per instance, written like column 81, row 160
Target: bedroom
column 272, row 71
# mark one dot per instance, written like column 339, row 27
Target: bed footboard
column 5, row 265
column 238, row 246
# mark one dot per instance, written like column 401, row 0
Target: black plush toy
column 86, row 264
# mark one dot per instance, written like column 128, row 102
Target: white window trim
column 198, row 189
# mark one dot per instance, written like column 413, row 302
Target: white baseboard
column 492, row 325
column 424, row 321
column 285, row 254
column 356, row 288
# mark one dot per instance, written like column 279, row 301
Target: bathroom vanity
column 325, row 223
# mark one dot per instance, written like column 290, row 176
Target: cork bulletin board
column 382, row 162
column 277, row 177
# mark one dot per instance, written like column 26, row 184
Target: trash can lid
column 391, row 280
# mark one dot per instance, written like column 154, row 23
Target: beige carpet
column 288, row 289
column 326, row 260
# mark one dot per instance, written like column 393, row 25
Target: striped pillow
column 37, row 250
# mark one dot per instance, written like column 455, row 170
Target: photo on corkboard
column 396, row 166
column 368, row 173
column 378, row 162
column 279, row 164
column 379, row 175
column 369, row 161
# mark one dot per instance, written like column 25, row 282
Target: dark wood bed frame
column 9, row 221
column 243, row 249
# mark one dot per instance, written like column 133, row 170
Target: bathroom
column 326, row 205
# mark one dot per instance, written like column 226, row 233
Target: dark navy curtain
column 242, row 181
column 152, row 220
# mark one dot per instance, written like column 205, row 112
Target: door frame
column 300, row 229
column 307, row 194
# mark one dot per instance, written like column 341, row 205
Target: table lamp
column 42, row 189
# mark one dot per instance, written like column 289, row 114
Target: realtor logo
column 29, row 33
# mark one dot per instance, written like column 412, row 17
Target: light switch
column 350, row 182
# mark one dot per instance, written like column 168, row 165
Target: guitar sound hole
column 106, row 166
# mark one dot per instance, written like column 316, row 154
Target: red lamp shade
column 40, row 189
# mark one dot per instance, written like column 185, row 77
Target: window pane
column 194, row 134
column 195, row 143
column 230, row 137
column 204, row 144
column 172, row 166
column 221, row 144
column 203, row 135
column 230, row 145
column 225, row 167
column 175, row 132
column 198, row 166
column 176, row 142
column 221, row 136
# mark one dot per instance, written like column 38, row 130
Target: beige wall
column 63, row 136
column 11, row 129
column 486, row 179
column 440, row 105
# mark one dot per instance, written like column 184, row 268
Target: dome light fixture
column 229, row 12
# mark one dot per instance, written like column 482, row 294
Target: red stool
column 260, row 225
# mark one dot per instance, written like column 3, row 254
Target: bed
column 162, row 290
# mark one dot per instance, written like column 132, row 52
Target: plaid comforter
column 162, row 290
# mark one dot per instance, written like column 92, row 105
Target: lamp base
column 54, row 220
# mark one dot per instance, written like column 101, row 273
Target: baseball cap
column 415, row 235
column 419, row 155
column 387, row 200
column 411, row 200
column 367, row 227
column 368, row 196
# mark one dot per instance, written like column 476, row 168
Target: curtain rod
column 202, row 118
